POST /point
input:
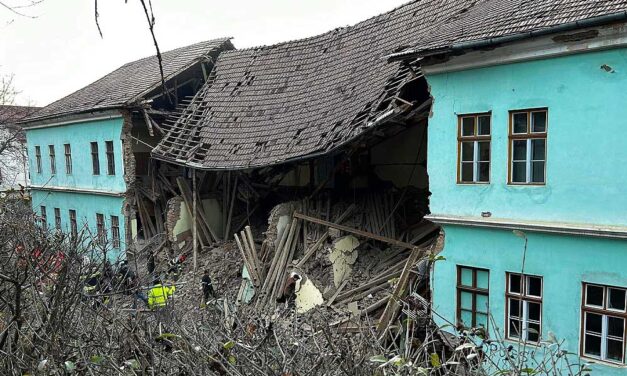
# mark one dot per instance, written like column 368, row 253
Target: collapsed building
column 90, row 151
column 311, row 156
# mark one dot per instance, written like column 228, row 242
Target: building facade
column 90, row 151
column 526, row 159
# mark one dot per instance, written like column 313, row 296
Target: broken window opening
column 474, row 137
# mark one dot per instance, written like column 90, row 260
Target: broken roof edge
column 216, row 51
column 416, row 53
column 380, row 121
column 131, row 102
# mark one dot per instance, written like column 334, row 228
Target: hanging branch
column 150, row 17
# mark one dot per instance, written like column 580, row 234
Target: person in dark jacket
column 207, row 287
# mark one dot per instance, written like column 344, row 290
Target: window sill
column 471, row 184
column 515, row 341
column 601, row 362
column 526, row 184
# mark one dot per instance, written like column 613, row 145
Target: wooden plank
column 246, row 260
column 337, row 292
column 253, row 249
column 392, row 307
column 187, row 196
column 229, row 218
column 354, row 231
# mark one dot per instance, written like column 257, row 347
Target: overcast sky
column 61, row 51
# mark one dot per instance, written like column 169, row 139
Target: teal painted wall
column 79, row 136
column 86, row 206
column 564, row 262
column 587, row 138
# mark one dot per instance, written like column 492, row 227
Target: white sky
column 61, row 51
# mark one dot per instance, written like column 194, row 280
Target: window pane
column 592, row 345
column 616, row 299
column 594, row 295
column 482, row 320
column 466, row 277
column 482, row 303
column 533, row 311
column 520, row 122
column 538, row 150
column 514, row 328
column 484, row 151
column 482, row 279
column 615, row 350
column 537, row 172
column 514, row 283
column 484, row 126
column 467, row 171
column 466, row 317
column 468, row 151
column 468, row 126
column 538, row 121
column 533, row 333
column 520, row 150
column 519, row 172
column 594, row 322
column 484, row 171
column 515, row 308
column 615, row 326
column 534, row 286
column 466, row 300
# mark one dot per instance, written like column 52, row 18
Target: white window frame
column 524, row 298
column 528, row 136
column 475, row 139
column 605, row 312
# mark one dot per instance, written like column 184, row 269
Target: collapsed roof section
column 491, row 22
column 133, row 81
column 273, row 104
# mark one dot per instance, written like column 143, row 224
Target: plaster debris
column 343, row 256
column 307, row 296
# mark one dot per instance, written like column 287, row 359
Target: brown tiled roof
column 129, row 82
column 500, row 18
column 278, row 103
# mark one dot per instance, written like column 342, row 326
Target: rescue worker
column 207, row 288
column 159, row 294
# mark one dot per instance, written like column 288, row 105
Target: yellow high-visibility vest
column 158, row 295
